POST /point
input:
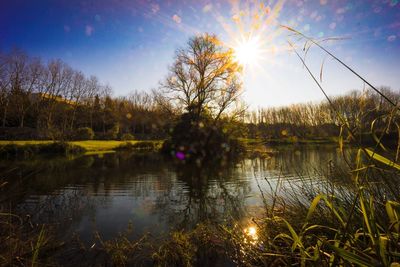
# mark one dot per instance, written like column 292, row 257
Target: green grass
column 90, row 146
column 99, row 145
column 27, row 142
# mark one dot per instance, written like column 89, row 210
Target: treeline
column 364, row 112
column 50, row 100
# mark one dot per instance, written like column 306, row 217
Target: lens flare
column 247, row 52
column 253, row 34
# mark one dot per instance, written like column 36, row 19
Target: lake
column 135, row 193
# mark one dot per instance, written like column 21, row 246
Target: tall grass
column 362, row 230
column 22, row 242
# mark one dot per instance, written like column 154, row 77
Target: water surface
column 147, row 193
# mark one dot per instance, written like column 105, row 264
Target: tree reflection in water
column 107, row 193
column 153, row 194
column 208, row 193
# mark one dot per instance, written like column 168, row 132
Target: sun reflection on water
column 251, row 235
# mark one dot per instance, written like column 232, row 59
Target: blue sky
column 129, row 44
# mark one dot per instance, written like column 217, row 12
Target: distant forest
column 50, row 100
column 364, row 112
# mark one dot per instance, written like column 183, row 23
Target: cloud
column 89, row 30
column 395, row 25
column 332, row 26
column 391, row 38
column 207, row 8
column 341, row 10
column 155, row 8
column 314, row 14
column 377, row 9
column 176, row 18
column 323, row 2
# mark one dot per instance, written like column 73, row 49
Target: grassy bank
column 32, row 147
column 99, row 145
column 289, row 141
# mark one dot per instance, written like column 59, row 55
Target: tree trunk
column 72, row 119
column 21, row 123
column 5, row 114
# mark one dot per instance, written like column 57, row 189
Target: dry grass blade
column 351, row 257
column 39, row 243
column 343, row 64
column 382, row 159
column 322, row 68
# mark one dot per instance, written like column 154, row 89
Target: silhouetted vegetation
column 51, row 101
column 84, row 133
column 366, row 113
column 204, row 81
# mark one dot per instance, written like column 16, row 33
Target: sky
column 129, row 44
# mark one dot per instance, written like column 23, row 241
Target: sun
column 247, row 51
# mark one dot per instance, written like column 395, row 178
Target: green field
column 90, row 146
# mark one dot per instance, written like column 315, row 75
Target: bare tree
column 203, row 78
column 31, row 83
column 59, row 78
column 5, row 86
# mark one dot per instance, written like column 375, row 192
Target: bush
column 201, row 139
column 54, row 134
column 84, row 133
column 141, row 145
column 127, row 137
column 112, row 134
column 60, row 148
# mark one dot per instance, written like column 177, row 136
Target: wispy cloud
column 155, row 8
column 89, row 30
column 391, row 38
column 176, row 18
column 207, row 8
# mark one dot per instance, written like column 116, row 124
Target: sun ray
column 252, row 33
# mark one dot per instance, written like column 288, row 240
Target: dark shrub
column 127, row 137
column 201, row 139
column 84, row 133
column 142, row 145
column 145, row 145
column 113, row 133
column 60, row 148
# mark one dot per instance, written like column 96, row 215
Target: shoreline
column 28, row 148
